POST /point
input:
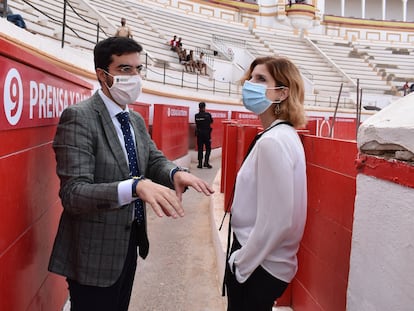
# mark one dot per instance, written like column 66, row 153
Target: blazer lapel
column 111, row 136
column 138, row 145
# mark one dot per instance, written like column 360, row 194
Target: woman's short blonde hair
column 286, row 74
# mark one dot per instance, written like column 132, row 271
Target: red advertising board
column 33, row 94
column 344, row 128
column 32, row 97
column 143, row 109
column 170, row 130
column 245, row 117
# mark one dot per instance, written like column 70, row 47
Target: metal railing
column 4, row 7
column 65, row 25
column 208, row 55
column 168, row 76
column 223, row 43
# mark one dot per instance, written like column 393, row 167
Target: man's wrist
column 135, row 181
column 178, row 169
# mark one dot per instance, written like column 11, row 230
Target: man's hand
column 163, row 200
column 182, row 180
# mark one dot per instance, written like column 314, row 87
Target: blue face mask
column 254, row 97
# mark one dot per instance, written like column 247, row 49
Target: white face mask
column 125, row 89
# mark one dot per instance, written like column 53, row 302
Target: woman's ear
column 285, row 93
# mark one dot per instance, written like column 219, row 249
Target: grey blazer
column 93, row 235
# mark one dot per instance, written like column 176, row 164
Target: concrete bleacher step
column 153, row 25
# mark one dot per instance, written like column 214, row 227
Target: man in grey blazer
column 98, row 235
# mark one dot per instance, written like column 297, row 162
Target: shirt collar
column 110, row 105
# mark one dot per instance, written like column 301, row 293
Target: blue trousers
column 16, row 19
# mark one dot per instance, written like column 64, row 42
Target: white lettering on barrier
column 49, row 100
column 219, row 115
column 45, row 101
column 345, row 120
column 171, row 112
column 247, row 116
column 324, row 124
column 13, row 96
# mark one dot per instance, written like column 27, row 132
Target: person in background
column 109, row 169
column 179, row 45
column 16, row 19
column 123, row 30
column 201, row 64
column 203, row 120
column 270, row 197
column 179, row 49
column 190, row 62
column 182, row 56
column 405, row 88
column 173, row 43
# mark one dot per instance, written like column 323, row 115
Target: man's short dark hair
column 202, row 105
column 104, row 50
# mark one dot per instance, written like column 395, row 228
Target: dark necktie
column 123, row 118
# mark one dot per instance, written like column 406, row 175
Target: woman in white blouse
column 270, row 197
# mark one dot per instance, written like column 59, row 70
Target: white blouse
column 269, row 206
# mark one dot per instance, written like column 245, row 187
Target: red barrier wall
column 313, row 125
column 341, row 128
column 344, row 128
column 322, row 278
column 217, row 134
column 33, row 94
column 243, row 117
column 245, row 135
column 171, row 132
column 143, row 109
column 228, row 167
column 224, row 152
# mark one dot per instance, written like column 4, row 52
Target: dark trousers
column 203, row 139
column 112, row 298
column 258, row 293
column 16, row 19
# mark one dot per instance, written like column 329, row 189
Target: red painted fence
column 322, row 278
column 217, row 133
column 33, row 94
column 341, row 128
column 143, row 109
column 171, row 132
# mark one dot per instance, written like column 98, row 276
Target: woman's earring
column 278, row 111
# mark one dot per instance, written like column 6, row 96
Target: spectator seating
column 326, row 78
column 342, row 53
column 327, row 62
column 394, row 63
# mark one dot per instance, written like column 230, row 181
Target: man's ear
column 101, row 75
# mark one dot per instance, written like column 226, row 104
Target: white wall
column 226, row 71
column 381, row 275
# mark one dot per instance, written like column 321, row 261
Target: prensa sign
column 31, row 97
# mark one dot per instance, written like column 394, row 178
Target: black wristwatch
column 136, row 179
column 178, row 169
